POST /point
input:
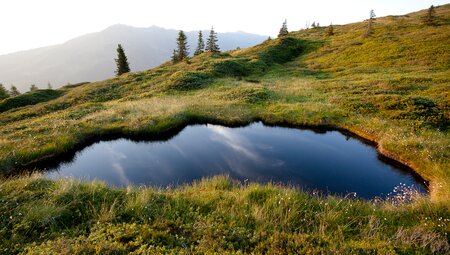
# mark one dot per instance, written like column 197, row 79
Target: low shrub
column 189, row 80
column 29, row 98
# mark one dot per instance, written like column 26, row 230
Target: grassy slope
column 392, row 87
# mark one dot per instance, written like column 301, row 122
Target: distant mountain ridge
column 91, row 57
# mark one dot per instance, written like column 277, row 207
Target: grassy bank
column 392, row 88
column 212, row 215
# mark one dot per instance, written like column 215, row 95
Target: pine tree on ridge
column 283, row 30
column 211, row 43
column 121, row 61
column 200, row 44
column 369, row 29
column 3, row 92
column 14, row 91
column 430, row 18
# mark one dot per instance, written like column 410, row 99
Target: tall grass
column 212, row 215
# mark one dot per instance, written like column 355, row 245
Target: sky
column 27, row 24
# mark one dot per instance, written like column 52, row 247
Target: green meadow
column 392, row 87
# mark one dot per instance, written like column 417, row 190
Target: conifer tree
column 330, row 31
column 200, row 44
column 14, row 91
column 283, row 30
column 33, row 87
column 174, row 56
column 370, row 24
column 121, row 61
column 3, row 92
column 211, row 43
column 182, row 47
column 430, row 17
column 313, row 25
column 49, row 86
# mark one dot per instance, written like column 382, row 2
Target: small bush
column 249, row 94
column 236, row 68
column 423, row 103
column 188, row 81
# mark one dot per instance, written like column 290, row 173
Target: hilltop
column 391, row 87
column 91, row 57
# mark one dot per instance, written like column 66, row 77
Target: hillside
column 392, row 87
column 91, row 57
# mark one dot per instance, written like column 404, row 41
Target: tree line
column 181, row 52
column 13, row 91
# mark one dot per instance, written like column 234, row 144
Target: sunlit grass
column 211, row 215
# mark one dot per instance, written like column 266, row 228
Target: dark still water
column 328, row 161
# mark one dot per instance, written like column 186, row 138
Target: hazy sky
column 26, row 24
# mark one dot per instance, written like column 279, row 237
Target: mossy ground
column 392, row 88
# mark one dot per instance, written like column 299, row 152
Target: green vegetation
column 211, row 43
column 181, row 52
column 210, row 216
column 3, row 92
column 200, row 44
column 14, row 91
column 391, row 87
column 30, row 98
column 121, row 61
column 370, row 24
column 283, row 30
column 429, row 18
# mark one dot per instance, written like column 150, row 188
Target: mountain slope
column 91, row 57
column 392, row 88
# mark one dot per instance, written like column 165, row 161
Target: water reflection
column 327, row 161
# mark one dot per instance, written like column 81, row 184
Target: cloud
column 114, row 158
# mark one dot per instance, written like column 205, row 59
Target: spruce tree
column 283, row 30
column 121, row 61
column 175, row 56
column 200, row 44
column 370, row 24
column 330, row 31
column 182, row 47
column 313, row 25
column 49, row 86
column 211, row 43
column 430, row 17
column 33, row 87
column 3, row 92
column 14, row 91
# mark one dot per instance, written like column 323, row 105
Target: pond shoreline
column 174, row 130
